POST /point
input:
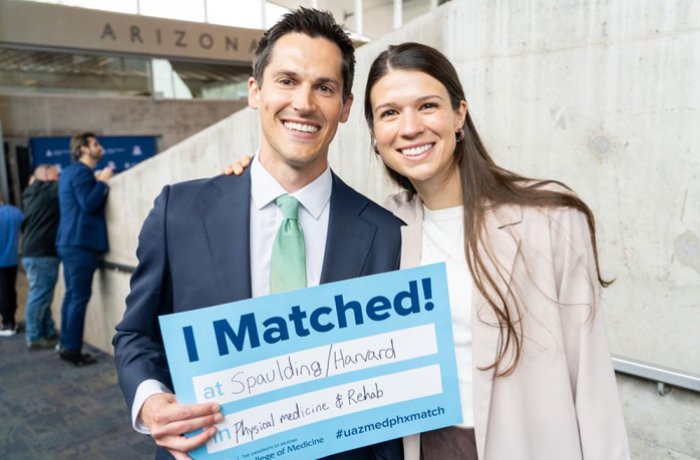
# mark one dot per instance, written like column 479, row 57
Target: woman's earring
column 374, row 146
column 460, row 135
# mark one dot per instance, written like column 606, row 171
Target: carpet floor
column 51, row 409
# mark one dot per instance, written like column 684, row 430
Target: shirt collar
column 265, row 189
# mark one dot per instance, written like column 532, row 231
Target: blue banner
column 121, row 152
column 312, row 372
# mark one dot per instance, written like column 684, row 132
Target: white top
column 443, row 241
column 265, row 219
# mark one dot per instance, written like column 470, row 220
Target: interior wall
column 29, row 115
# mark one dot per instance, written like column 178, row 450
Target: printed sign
column 312, row 372
column 121, row 152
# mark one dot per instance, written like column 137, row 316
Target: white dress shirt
column 265, row 219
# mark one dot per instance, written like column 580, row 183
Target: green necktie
column 288, row 263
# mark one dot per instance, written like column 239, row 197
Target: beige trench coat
column 561, row 403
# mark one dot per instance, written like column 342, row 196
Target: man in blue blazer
column 210, row 241
column 80, row 239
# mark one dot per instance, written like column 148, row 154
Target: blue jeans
column 42, row 273
column 78, row 267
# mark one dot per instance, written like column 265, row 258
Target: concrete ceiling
column 62, row 71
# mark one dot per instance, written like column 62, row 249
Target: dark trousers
column 8, row 295
column 78, row 268
column 388, row 450
column 448, row 443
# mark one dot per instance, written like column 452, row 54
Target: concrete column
column 4, row 190
column 263, row 4
column 398, row 13
column 359, row 17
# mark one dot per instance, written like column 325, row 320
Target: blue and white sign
column 121, row 152
column 308, row 373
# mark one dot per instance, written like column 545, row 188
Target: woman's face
column 415, row 126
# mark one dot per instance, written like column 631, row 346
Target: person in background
column 81, row 239
column 39, row 257
column 10, row 222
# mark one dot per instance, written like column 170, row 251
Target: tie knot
column 289, row 206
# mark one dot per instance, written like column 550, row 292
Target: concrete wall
column 601, row 94
column 27, row 115
column 660, row 427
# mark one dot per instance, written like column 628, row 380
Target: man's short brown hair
column 77, row 141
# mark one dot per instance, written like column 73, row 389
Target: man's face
column 93, row 149
column 301, row 103
column 51, row 174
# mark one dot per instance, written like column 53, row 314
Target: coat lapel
column 410, row 211
column 349, row 235
column 504, row 245
column 411, row 233
column 226, row 215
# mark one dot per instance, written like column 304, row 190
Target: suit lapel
column 226, row 215
column 349, row 235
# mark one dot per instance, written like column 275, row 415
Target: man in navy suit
column 81, row 238
column 209, row 242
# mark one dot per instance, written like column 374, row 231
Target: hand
column 167, row 420
column 105, row 175
column 238, row 167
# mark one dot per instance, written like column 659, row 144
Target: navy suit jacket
column 82, row 199
column 194, row 251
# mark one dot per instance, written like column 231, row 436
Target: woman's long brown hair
column 485, row 185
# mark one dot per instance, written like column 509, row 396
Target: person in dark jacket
column 81, row 239
column 40, row 260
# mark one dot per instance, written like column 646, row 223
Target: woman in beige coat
column 535, row 370
column 536, row 376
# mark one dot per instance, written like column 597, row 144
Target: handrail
column 661, row 375
column 116, row 266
